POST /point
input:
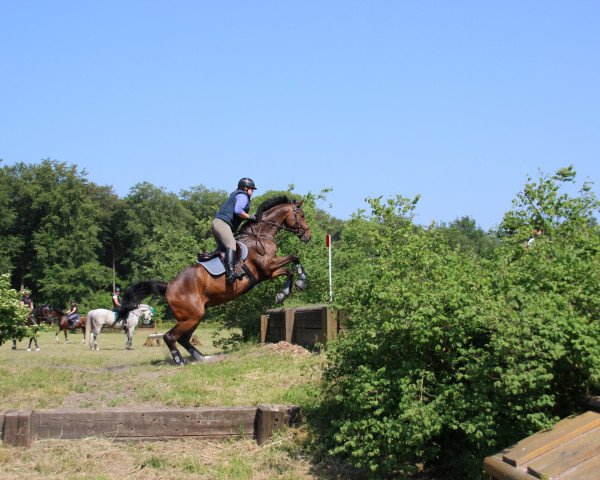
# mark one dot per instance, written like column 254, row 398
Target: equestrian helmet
column 246, row 183
column 117, row 289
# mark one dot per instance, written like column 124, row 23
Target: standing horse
column 34, row 326
column 100, row 317
column 64, row 325
column 194, row 289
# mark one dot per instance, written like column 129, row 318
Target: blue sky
column 458, row 101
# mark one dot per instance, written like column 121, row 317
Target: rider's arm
column 241, row 201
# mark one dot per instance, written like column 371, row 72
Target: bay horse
column 194, row 289
column 100, row 317
column 64, row 326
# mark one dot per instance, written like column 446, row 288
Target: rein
column 297, row 230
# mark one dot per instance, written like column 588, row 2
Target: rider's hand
column 252, row 218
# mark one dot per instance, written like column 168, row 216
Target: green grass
column 70, row 375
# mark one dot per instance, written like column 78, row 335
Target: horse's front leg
column 278, row 270
column 281, row 296
column 301, row 282
column 129, row 341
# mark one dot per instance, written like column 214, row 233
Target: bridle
column 297, row 229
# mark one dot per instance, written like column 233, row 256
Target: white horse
column 100, row 317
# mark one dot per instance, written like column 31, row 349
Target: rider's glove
column 252, row 218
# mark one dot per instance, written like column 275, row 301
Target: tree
column 57, row 227
column 464, row 233
column 10, row 243
column 12, row 314
column 148, row 212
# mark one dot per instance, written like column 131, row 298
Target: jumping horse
column 194, row 289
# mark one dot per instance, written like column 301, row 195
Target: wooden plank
column 290, row 314
column 264, row 321
column 566, row 456
column 269, row 418
column 540, row 443
column 121, row 423
column 17, row 428
column 332, row 325
column 588, row 470
column 500, row 470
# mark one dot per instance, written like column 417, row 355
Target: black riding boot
column 230, row 262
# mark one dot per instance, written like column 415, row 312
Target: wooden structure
column 23, row 427
column 569, row 451
column 305, row 326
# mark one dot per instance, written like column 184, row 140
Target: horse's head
column 295, row 221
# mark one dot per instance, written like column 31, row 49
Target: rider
column 228, row 219
column 26, row 299
column 72, row 314
column 116, row 300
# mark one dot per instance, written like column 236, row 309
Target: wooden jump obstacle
column 569, row 451
column 23, row 427
column 305, row 326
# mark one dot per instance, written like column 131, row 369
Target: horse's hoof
column 300, row 285
column 280, row 297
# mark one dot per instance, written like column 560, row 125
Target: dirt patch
column 286, row 348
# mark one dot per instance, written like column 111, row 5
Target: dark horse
column 62, row 321
column 37, row 316
column 194, row 289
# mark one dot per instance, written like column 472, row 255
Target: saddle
column 213, row 261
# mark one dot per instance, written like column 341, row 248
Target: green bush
column 449, row 357
column 12, row 314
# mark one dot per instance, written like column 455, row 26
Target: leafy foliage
column 12, row 314
column 449, row 357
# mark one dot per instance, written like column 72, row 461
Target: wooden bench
column 569, row 451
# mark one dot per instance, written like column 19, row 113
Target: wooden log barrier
column 23, row 427
column 305, row 326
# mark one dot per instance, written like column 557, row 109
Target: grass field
column 71, row 376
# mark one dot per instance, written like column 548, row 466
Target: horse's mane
column 264, row 207
column 270, row 203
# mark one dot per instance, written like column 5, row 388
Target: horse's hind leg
column 32, row 340
column 185, row 342
column 178, row 334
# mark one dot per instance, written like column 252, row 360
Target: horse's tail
column 135, row 293
column 88, row 327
